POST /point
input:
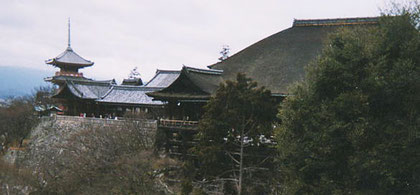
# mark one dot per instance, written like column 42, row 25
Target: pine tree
column 234, row 136
column 350, row 126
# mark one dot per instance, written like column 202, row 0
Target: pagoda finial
column 68, row 44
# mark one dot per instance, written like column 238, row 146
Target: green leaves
column 238, row 110
column 348, row 127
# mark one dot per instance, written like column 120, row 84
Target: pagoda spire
column 68, row 44
column 69, row 63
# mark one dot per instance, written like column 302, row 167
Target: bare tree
column 16, row 120
column 134, row 73
column 224, row 52
column 102, row 160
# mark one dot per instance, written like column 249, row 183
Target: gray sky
column 156, row 34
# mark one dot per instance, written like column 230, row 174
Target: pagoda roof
column 64, row 78
column 280, row 59
column 69, row 57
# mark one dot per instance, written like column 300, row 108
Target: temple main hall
column 274, row 62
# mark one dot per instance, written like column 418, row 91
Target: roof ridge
column 158, row 71
column 205, row 71
column 169, row 71
column 335, row 21
column 108, row 92
column 75, row 88
column 117, row 87
column 104, row 82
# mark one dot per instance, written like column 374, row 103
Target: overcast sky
column 119, row 35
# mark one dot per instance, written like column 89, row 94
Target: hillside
column 17, row 81
column 73, row 155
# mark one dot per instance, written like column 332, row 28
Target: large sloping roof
column 206, row 80
column 163, row 78
column 191, row 84
column 133, row 95
column 107, row 92
column 86, row 89
column 69, row 57
column 280, row 59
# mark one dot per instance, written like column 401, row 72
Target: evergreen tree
column 353, row 125
column 234, row 137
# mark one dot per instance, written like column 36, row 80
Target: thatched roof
column 279, row 60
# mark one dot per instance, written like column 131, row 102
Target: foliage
column 16, row 120
column 231, row 135
column 42, row 96
column 14, row 180
column 350, row 126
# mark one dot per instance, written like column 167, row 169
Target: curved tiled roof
column 192, row 83
column 108, row 92
column 89, row 89
column 206, row 80
column 69, row 57
column 85, row 89
column 130, row 95
column 163, row 78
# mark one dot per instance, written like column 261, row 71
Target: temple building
column 275, row 62
column 77, row 95
column 186, row 96
column 69, row 63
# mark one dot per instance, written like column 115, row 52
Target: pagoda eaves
column 69, row 58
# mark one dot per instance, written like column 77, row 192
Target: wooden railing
column 178, row 124
column 73, row 74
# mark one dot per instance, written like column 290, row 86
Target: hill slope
column 17, row 81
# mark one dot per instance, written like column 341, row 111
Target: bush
column 17, row 120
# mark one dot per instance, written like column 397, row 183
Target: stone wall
column 56, row 129
column 46, row 141
column 63, row 120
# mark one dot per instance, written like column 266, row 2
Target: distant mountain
column 18, row 81
column 3, row 103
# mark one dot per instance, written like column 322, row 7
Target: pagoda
column 69, row 63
